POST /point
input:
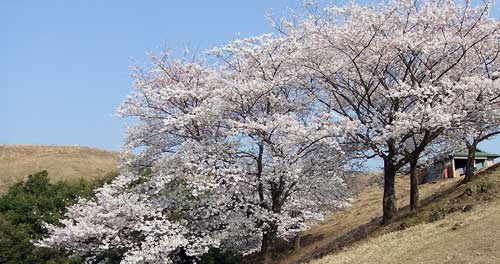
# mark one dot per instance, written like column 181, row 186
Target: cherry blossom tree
column 250, row 149
column 233, row 155
column 388, row 66
column 481, row 117
column 122, row 224
column 291, row 151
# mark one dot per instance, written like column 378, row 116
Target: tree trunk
column 469, row 167
column 389, row 203
column 296, row 243
column 268, row 239
column 414, row 196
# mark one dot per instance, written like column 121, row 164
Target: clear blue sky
column 65, row 65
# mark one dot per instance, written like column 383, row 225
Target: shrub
column 27, row 206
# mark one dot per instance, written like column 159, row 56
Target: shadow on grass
column 452, row 199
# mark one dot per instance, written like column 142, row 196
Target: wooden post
column 453, row 167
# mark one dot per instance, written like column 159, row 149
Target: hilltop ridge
column 63, row 163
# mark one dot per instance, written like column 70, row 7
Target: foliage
column 237, row 160
column 14, row 243
column 30, row 204
column 404, row 71
column 26, row 208
column 252, row 148
column 16, row 248
column 217, row 256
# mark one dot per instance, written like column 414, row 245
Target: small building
column 454, row 165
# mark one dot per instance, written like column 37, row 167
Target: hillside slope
column 359, row 238
column 464, row 237
column 62, row 162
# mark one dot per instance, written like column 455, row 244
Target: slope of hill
column 464, row 237
column 62, row 162
column 450, row 218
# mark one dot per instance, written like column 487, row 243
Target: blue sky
column 65, row 65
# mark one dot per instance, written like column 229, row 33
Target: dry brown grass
column 470, row 237
column 63, row 163
column 360, row 222
column 365, row 211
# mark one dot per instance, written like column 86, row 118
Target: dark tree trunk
column 469, row 167
column 413, row 159
column 414, row 196
column 296, row 243
column 268, row 239
column 389, row 203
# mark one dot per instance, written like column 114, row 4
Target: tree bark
column 296, row 243
column 268, row 238
column 414, row 195
column 469, row 167
column 389, row 202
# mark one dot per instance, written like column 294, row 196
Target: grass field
column 63, row 163
column 455, row 224
column 440, row 233
column 464, row 237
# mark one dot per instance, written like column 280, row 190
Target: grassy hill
column 456, row 224
column 464, row 237
column 64, row 163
